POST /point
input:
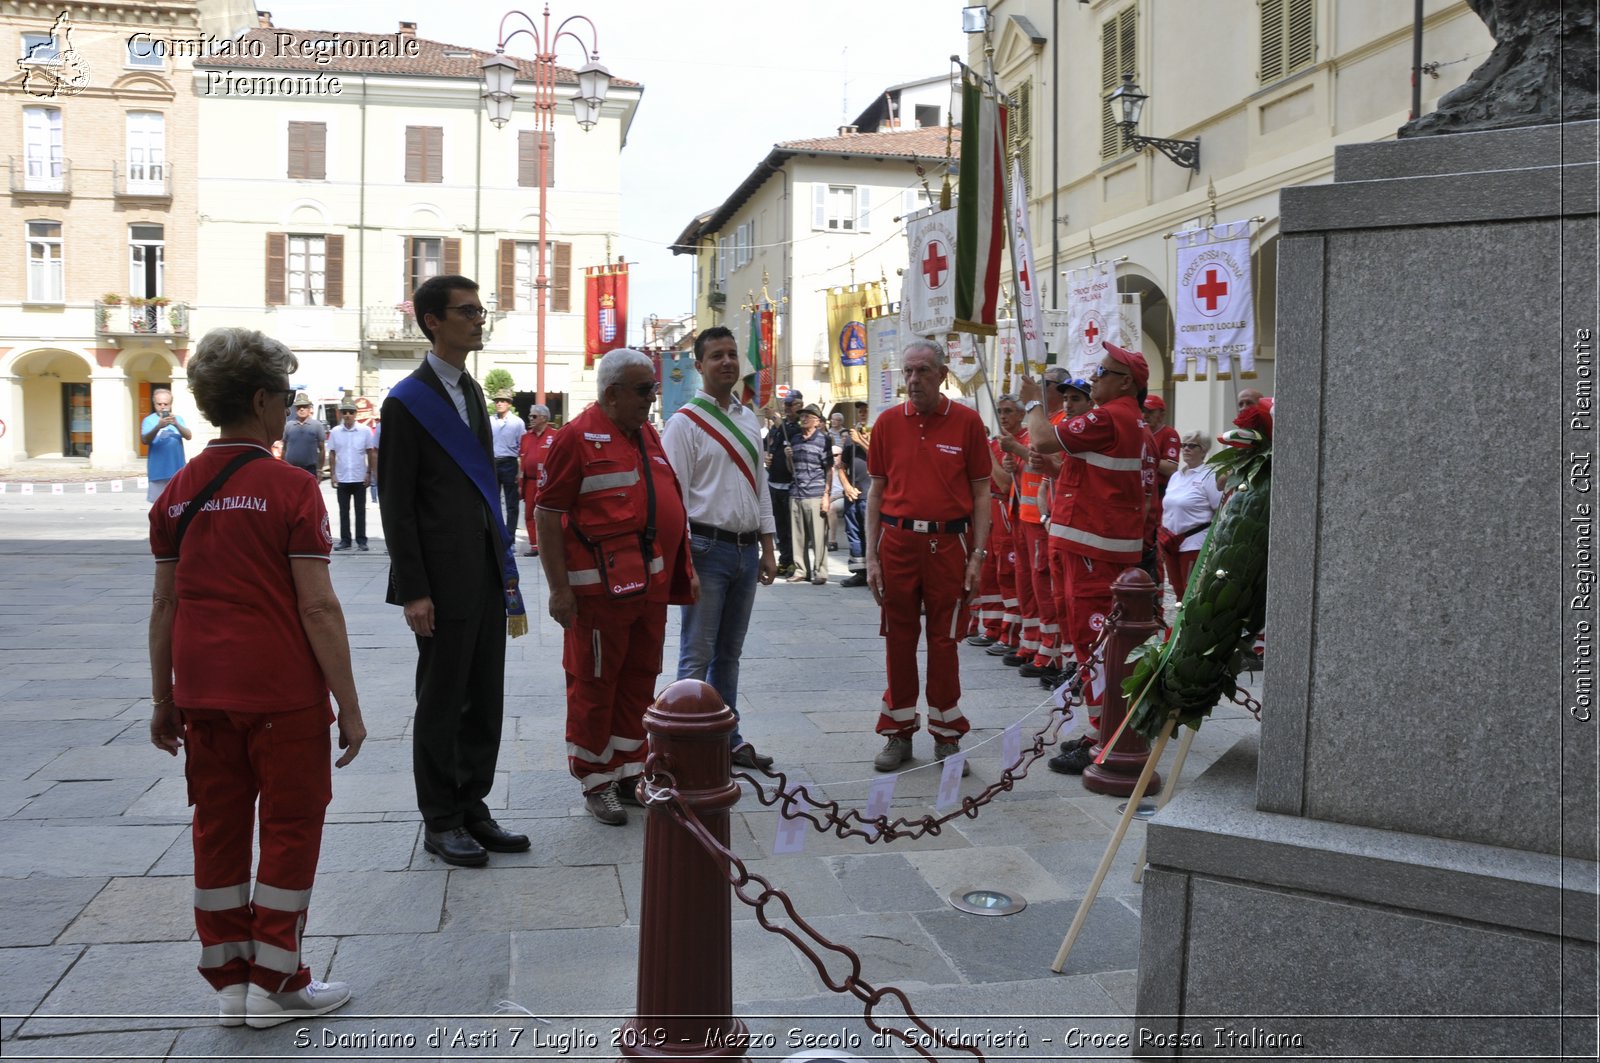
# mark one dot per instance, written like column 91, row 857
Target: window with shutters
column 41, row 136
column 1118, row 51
column 1019, row 128
column 307, row 270
column 424, row 259
column 308, row 151
column 424, row 154
column 1288, row 37
column 528, row 159
column 841, row 214
column 146, row 260
column 524, row 279
column 147, row 151
column 46, row 274
column 743, row 241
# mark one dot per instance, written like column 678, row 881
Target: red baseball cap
column 1154, row 402
column 1138, row 368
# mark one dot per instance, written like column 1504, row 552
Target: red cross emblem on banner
column 1091, row 332
column 1027, row 281
column 1213, row 289
column 934, row 264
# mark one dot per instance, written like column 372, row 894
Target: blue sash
column 442, row 421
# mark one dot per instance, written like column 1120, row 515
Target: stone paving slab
column 534, row 898
column 26, row 977
column 376, row 902
column 43, row 847
column 86, row 799
column 136, row 909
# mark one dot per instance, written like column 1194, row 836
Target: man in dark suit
column 445, row 569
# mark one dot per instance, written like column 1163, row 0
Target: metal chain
column 1243, row 697
column 739, row 877
column 797, row 801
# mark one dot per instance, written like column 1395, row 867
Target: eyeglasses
column 476, row 313
column 1100, row 371
column 644, row 391
column 287, row 393
column 1191, row 446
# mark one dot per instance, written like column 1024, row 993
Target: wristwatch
column 1029, row 407
column 982, row 552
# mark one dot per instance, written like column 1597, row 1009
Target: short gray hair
column 614, row 363
column 539, row 409
column 160, row 391
column 230, row 365
column 1201, row 437
column 933, row 347
column 1009, row 397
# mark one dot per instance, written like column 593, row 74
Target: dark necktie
column 475, row 406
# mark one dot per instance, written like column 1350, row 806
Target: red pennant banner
column 768, row 359
column 606, row 310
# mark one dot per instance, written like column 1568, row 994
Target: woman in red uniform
column 246, row 641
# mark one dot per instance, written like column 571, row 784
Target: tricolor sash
column 720, row 427
column 442, row 421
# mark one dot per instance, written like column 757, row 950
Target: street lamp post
column 500, row 74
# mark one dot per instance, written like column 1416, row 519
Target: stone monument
column 1407, row 862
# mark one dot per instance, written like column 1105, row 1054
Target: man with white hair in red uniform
column 1110, row 472
column 927, row 522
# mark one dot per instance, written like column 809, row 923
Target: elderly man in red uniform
column 1110, row 471
column 616, row 554
column 533, row 449
column 927, row 522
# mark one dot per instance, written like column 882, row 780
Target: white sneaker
column 264, row 1009
column 230, row 1005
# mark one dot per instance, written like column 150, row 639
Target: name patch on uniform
column 948, row 448
column 597, row 437
column 658, row 460
column 1090, row 417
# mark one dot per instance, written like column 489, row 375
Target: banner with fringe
column 1214, row 302
column 1092, row 313
column 847, row 338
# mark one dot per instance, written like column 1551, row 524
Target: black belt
column 927, row 527
column 736, row 538
column 497, row 461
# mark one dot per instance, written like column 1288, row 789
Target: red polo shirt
column 929, row 460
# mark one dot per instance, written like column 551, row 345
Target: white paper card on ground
column 116, row 487
column 950, row 782
column 27, row 489
column 879, row 800
column 142, row 482
column 91, row 489
column 1097, row 683
column 4, row 487
column 792, row 827
column 1011, row 747
column 58, row 489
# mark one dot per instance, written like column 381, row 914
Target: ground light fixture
column 986, row 900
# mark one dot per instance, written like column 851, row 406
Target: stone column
column 110, row 407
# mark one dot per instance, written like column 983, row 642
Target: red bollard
column 684, row 1007
column 1117, row 776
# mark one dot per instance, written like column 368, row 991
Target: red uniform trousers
column 1027, row 608
column 233, row 761
column 1061, row 586
column 1177, row 564
column 998, row 580
column 612, row 657
column 922, row 574
column 1036, row 544
column 1091, row 601
column 530, row 498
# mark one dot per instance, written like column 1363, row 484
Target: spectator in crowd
column 507, row 429
column 712, row 445
column 1193, row 495
column 246, row 641
column 927, row 522
column 836, row 500
column 354, row 458
column 305, row 438
column 854, row 480
column 377, row 445
column 1167, row 442
column 811, row 459
column 1249, row 397
column 163, row 432
column 532, row 451
column 607, row 484
column 780, row 479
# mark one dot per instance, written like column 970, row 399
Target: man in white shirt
column 354, row 459
column 508, row 430
column 714, row 445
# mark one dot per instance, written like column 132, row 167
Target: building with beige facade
column 340, row 170
column 1268, row 87
column 97, row 287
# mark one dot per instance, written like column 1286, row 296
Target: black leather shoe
column 1073, row 761
column 1032, row 670
column 856, row 579
column 1016, row 660
column 495, row 838
column 747, row 757
column 455, row 846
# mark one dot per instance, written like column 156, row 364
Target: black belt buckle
column 722, row 535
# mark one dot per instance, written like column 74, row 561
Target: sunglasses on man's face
column 642, row 390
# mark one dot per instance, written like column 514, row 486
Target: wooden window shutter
column 277, row 272
column 414, row 154
column 1118, row 54
column 527, row 159
column 1301, row 38
column 819, row 206
column 508, row 275
column 433, row 141
column 333, row 270
column 297, row 150
column 408, row 276
column 561, row 280
column 1271, row 40
column 451, row 261
column 316, row 141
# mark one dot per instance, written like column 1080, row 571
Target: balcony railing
column 40, row 177
column 392, row 325
column 124, row 319
column 142, row 180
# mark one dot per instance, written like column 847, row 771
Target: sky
column 723, row 81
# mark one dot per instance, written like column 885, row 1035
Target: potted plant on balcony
column 102, row 311
column 141, row 315
column 178, row 318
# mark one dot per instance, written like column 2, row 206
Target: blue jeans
column 712, row 634
column 855, row 525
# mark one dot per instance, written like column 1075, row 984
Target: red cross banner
column 1214, row 302
column 606, row 310
column 1093, row 315
column 929, row 291
column 1030, row 319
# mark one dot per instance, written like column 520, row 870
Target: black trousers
column 460, row 703
column 780, row 517
column 347, row 494
column 505, row 471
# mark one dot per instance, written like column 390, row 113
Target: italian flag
column 981, row 210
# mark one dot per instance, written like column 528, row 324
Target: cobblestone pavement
column 97, row 943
